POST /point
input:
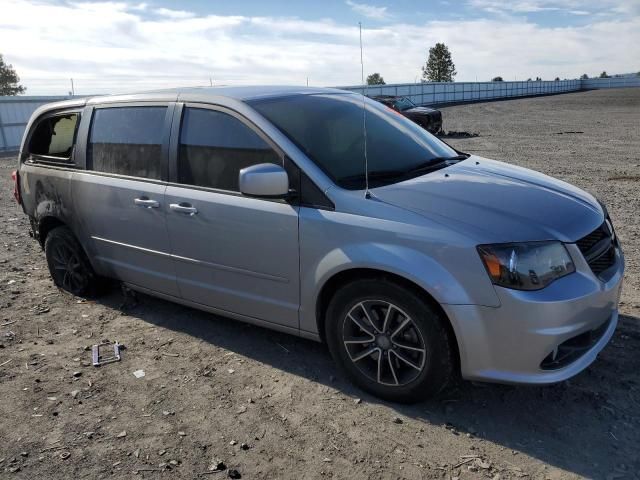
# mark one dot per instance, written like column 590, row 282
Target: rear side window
column 127, row 141
column 54, row 137
column 215, row 146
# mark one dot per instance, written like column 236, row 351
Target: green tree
column 439, row 66
column 584, row 76
column 375, row 79
column 497, row 79
column 604, row 75
column 9, row 80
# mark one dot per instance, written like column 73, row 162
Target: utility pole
column 73, row 92
column 210, row 81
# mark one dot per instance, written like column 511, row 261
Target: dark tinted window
column 127, row 141
column 55, row 136
column 215, row 146
column 329, row 129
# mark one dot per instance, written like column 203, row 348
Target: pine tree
column 375, row 79
column 9, row 80
column 439, row 66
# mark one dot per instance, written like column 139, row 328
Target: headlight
column 526, row 266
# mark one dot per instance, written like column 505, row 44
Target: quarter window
column 127, row 141
column 54, row 137
column 215, row 146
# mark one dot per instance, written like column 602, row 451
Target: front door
column 120, row 198
column 234, row 253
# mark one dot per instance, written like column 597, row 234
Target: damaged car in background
column 428, row 118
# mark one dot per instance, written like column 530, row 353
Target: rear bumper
column 519, row 341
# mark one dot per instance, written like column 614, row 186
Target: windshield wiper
column 436, row 163
column 376, row 175
column 455, row 158
column 429, row 166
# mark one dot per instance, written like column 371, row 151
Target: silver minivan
column 326, row 215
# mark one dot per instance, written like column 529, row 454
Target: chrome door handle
column 146, row 202
column 183, row 208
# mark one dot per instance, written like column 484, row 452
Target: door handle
column 146, row 202
column 183, row 208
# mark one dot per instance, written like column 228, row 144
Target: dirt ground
column 273, row 406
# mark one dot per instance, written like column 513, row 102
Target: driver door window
column 215, row 146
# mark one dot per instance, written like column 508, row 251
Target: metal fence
column 452, row 92
column 15, row 111
column 14, row 115
column 614, row 82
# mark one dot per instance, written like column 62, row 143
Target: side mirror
column 264, row 180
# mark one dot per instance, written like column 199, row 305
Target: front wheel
column 389, row 341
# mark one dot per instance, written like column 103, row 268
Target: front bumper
column 514, row 342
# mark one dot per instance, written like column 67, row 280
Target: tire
column 373, row 357
column 68, row 264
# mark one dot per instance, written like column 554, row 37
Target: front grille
column 599, row 248
column 571, row 350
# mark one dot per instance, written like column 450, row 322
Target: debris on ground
column 455, row 134
column 106, row 352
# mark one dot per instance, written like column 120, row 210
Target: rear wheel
column 389, row 341
column 68, row 264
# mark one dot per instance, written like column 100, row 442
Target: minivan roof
column 198, row 94
column 251, row 92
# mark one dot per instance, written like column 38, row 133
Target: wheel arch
column 45, row 225
column 341, row 278
column 49, row 222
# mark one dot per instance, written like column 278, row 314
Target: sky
column 121, row 46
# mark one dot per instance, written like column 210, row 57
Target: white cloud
column 369, row 11
column 112, row 47
column 575, row 7
column 174, row 14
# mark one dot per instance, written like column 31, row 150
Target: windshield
column 404, row 103
column 328, row 128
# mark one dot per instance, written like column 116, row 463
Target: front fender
column 402, row 261
column 447, row 268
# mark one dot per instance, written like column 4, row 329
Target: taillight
column 15, row 175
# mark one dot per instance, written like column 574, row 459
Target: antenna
column 367, row 194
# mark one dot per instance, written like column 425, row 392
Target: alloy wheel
column 69, row 268
column 384, row 342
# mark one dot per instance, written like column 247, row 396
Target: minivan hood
column 497, row 202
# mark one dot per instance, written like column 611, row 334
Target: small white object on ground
column 138, row 373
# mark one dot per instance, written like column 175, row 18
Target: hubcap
column 69, row 270
column 384, row 343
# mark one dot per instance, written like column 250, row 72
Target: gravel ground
column 273, row 406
